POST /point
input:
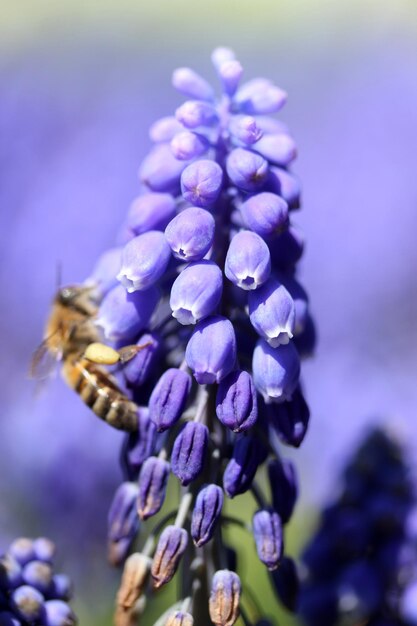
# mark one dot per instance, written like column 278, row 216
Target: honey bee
column 72, row 338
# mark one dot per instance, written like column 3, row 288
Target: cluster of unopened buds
column 205, row 285
column 30, row 591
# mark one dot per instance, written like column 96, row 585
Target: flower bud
column 211, row 351
column 267, row 530
column 272, row 312
column 246, row 169
column 230, row 72
column 265, row 214
column 61, row 588
column 44, row 549
column 206, row 514
column 190, row 234
column 224, row 598
column 169, row 397
column 164, row 129
column 10, row 572
column 189, row 451
column 123, row 315
column 290, row 419
column 38, row 574
column 248, row 453
column 279, row 149
column 171, row 546
column 245, row 129
column 305, row 342
column 284, row 487
column 287, row 249
column 140, row 444
column 137, row 370
column 144, row 260
column 161, row 171
column 191, row 84
column 276, row 371
column 286, row 583
column 186, row 146
column 220, row 55
column 201, row 182
column 151, row 211
column 153, row 479
column 236, row 404
column 286, row 185
column 22, row 550
column 179, row 618
column 196, row 292
column 58, row 613
column 103, row 277
column 195, row 113
column 134, row 578
column 27, row 602
column 260, row 97
column 248, row 262
column 123, row 522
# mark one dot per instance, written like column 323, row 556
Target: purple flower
column 103, row 277
column 279, row 149
column 190, row 234
column 284, row 487
column 266, row 214
column 201, row 183
column 169, row 397
column 38, row 574
column 140, row 445
column 161, row 171
column 272, row 313
column 123, row 522
column 248, row 454
column 186, row 145
column 27, row 602
column 164, row 129
column 144, row 260
column 248, row 262
column 224, row 598
column 153, row 480
column 196, row 292
column 275, row 371
column 236, row 404
column 247, row 170
column 195, row 113
column 206, row 514
column 58, row 613
column 290, row 419
column 171, row 546
column 151, row 211
column 137, row 370
column 191, row 84
column 259, row 97
column 179, row 618
column 211, row 351
column 188, row 453
column 267, row 529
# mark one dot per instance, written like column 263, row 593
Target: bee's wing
column 44, row 361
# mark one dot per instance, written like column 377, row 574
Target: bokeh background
column 80, row 83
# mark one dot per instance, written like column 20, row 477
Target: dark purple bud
column 123, row 315
column 272, row 313
column 265, row 214
column 286, row 185
column 196, row 292
column 151, row 211
column 153, row 479
column 58, row 613
column 211, row 351
column 144, row 260
column 245, row 129
column 246, row 169
column 195, row 113
column 123, row 522
column 27, row 602
column 236, row 404
column 22, row 550
column 171, row 546
column 305, row 342
column 140, row 444
column 276, row 371
column 38, row 574
column 287, row 249
column 260, row 97
column 230, row 73
column 286, row 583
column 169, row 397
column 187, row 145
column 45, row 549
column 279, row 149
column 190, row 234
column 161, row 171
column 164, row 129
column 137, row 370
column 201, row 182
column 61, row 588
column 248, row 261
column 267, row 530
column 10, row 572
column 290, row 419
column 103, row 277
column 206, row 514
column 248, row 453
column 191, row 84
column 284, row 487
column 224, row 598
column 8, row 619
column 189, row 452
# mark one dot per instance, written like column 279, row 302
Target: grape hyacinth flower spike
column 30, row 591
column 205, row 286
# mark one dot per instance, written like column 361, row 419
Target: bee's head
column 68, row 295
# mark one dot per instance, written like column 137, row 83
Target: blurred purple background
column 74, row 113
